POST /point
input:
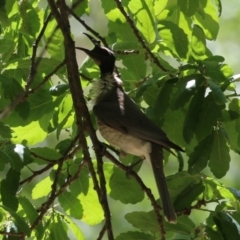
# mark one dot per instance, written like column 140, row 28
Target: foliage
column 166, row 67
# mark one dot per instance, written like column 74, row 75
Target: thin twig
column 102, row 232
column 96, row 34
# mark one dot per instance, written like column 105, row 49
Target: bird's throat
column 105, row 84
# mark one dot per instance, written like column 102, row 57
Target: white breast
column 135, row 146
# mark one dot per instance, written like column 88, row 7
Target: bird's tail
column 156, row 158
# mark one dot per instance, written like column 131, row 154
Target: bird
column 123, row 124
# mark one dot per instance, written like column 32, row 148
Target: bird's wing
column 131, row 120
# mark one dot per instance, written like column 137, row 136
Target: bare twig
column 102, row 232
column 46, row 78
column 12, row 234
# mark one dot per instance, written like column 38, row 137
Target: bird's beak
column 93, row 40
column 94, row 53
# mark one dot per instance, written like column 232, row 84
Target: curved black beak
column 96, row 43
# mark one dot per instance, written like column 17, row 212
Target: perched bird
column 125, row 126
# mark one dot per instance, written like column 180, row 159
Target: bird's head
column 102, row 56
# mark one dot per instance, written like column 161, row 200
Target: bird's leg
column 130, row 167
column 105, row 146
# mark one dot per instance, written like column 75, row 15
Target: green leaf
column 188, row 7
column 59, row 89
column 18, row 155
column 188, row 196
column 145, row 23
column 30, row 19
column 232, row 127
column 92, row 209
column 198, row 159
column 227, row 226
column 32, row 215
column 55, row 47
column 134, row 236
column 6, row 45
column 11, row 86
column 164, row 96
column 82, row 7
column 185, row 89
column 81, row 185
column 4, row 160
column 226, row 71
column 218, row 95
column 184, row 226
column 125, row 189
column 71, row 205
column 215, row 71
column 192, row 116
column 18, row 221
column 206, row 17
column 58, row 229
column 173, row 122
column 146, row 221
column 198, row 43
column 75, row 229
column 137, row 64
column 213, row 234
column 9, row 188
column 219, row 155
column 46, row 153
column 210, row 114
column 42, row 189
column 150, row 95
column 174, row 38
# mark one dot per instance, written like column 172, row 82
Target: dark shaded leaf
column 71, row 204
column 219, row 157
column 19, row 221
column 125, row 189
column 134, row 236
column 175, row 38
column 19, row 156
column 188, row 7
column 209, row 116
column 227, row 226
column 46, row 153
column 163, row 98
column 232, row 128
column 58, row 229
column 188, row 196
column 193, row 113
column 184, row 226
column 32, row 215
column 59, row 89
column 145, row 221
column 198, row 42
column 199, row 157
column 81, row 185
column 9, row 187
column 218, row 95
column 186, row 88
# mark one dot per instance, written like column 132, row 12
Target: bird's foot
column 130, row 167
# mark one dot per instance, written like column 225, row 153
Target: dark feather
column 130, row 120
